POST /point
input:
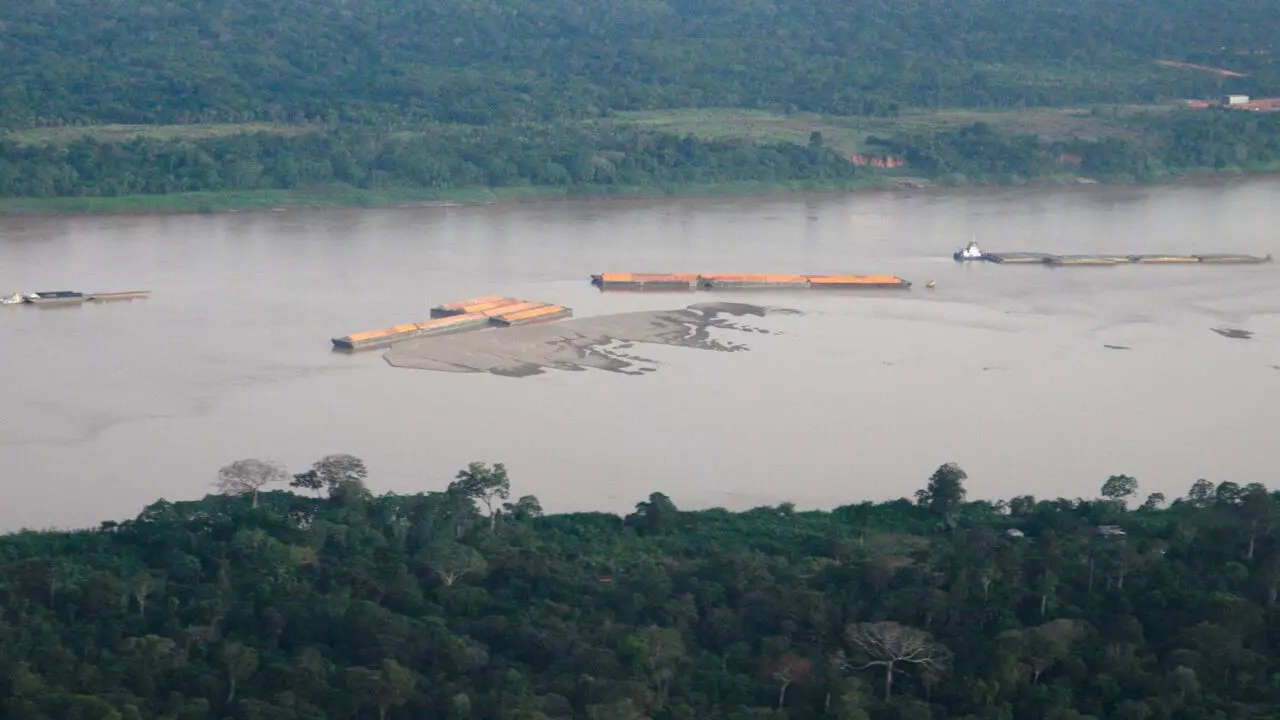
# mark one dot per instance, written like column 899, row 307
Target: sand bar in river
column 603, row 342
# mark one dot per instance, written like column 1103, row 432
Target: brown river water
column 1003, row 369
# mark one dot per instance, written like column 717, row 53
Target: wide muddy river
column 1034, row 379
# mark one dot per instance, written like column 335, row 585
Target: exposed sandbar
column 602, row 342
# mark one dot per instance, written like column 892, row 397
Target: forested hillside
column 262, row 604
column 125, row 98
column 483, row 61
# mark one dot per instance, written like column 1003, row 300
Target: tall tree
column 144, row 584
column 308, row 480
column 485, row 485
column 240, row 663
column 654, row 515
column 334, row 471
column 1227, row 494
column 452, row 561
column 1154, row 502
column 786, row 669
column 945, row 493
column 1201, row 493
column 893, row 647
column 1119, row 488
column 1257, row 509
column 247, row 477
column 331, row 473
column 526, row 508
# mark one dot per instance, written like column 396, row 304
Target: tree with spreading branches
column 247, row 477
column 896, row 647
column 484, row 484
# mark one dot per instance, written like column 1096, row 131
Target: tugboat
column 970, row 252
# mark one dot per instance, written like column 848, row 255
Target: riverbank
column 348, row 197
column 672, row 153
column 338, row 197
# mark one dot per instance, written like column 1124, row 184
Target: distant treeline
column 1158, row 145
column 493, row 157
column 611, row 155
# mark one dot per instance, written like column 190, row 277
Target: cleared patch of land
column 69, row 133
column 1203, row 68
column 849, row 134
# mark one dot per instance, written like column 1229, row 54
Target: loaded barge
column 474, row 314
column 971, row 253
column 545, row 313
column 634, row 282
column 645, row 281
column 837, row 282
column 396, row 333
column 742, row 282
column 475, row 305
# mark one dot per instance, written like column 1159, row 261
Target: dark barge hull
column 57, row 297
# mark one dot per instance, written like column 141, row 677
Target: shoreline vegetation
column 322, row 600
column 114, row 169
column 392, row 198
column 346, row 198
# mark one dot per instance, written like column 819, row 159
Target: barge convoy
column 637, row 282
column 461, row 316
column 972, row 253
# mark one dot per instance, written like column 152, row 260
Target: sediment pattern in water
column 1233, row 333
column 605, row 342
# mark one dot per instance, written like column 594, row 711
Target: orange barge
column 857, row 281
column 519, row 307
column 638, row 282
column 718, row 282
column 463, row 307
column 386, row 336
column 543, row 313
column 665, row 281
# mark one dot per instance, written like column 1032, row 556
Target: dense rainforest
column 323, row 600
column 505, row 61
column 468, row 93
